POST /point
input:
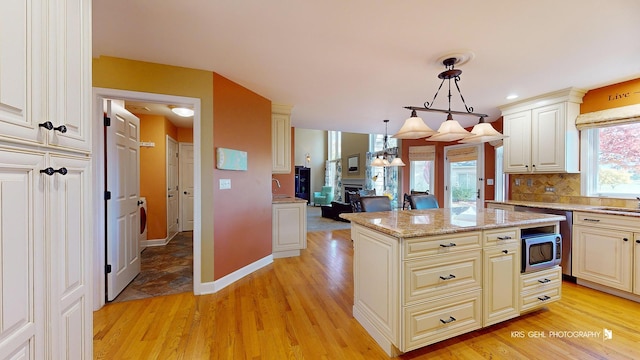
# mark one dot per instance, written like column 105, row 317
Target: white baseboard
column 608, row 290
column 154, row 242
column 213, row 287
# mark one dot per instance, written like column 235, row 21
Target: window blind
column 422, row 153
column 463, row 154
column 616, row 116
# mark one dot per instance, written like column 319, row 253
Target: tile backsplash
column 558, row 188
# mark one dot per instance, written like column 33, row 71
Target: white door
column 186, row 186
column 172, row 188
column 464, row 178
column 123, row 181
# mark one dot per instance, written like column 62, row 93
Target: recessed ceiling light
column 181, row 111
column 512, row 96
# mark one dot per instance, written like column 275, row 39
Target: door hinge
column 107, row 195
column 107, row 121
column 107, row 269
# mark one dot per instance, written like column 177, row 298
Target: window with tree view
column 614, row 159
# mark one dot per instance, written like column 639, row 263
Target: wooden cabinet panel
column 501, row 236
column 501, row 280
column 289, row 228
column 442, row 275
column 418, row 247
column 540, row 288
column 441, row 319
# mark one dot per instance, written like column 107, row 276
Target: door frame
column 169, row 139
column 99, row 262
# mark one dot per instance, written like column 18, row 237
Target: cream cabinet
column 500, row 206
column 501, row 270
column 542, row 137
column 540, row 288
column 636, row 261
column 281, row 139
column 603, row 249
column 45, row 185
column 289, row 228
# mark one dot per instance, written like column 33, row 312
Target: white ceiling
column 349, row 64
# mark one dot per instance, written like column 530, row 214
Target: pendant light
column 383, row 161
column 450, row 129
column 414, row 128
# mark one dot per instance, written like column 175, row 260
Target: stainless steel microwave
column 541, row 251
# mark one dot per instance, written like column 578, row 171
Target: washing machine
column 142, row 205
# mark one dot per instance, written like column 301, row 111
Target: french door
column 464, row 183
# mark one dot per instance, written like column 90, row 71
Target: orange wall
column 287, row 181
column 489, row 165
column 153, row 183
column 185, row 135
column 242, row 214
column 612, row 96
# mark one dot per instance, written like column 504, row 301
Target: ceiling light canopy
column 182, row 111
column 450, row 129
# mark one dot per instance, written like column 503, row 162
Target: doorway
column 463, row 178
column 99, row 96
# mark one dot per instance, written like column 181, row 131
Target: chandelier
column 450, row 129
column 383, row 156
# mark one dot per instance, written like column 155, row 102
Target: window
column 500, row 184
column 422, row 168
column 335, row 145
column 611, row 161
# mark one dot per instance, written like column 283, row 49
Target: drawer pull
column 506, row 237
column 449, row 320
column 544, row 298
column 591, row 220
column 50, row 171
column 451, row 276
column 448, row 245
column 544, row 281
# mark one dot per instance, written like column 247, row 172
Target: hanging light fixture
column 382, row 160
column 414, row 128
column 450, row 129
column 482, row 132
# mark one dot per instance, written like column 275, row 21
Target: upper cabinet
column 542, row 136
column 43, row 75
column 281, row 139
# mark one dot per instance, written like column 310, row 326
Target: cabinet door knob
column 47, row 125
column 638, row 241
column 61, row 128
column 505, row 251
column 625, row 239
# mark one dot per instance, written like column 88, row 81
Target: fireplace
column 353, row 185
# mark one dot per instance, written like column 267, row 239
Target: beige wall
column 124, row 74
column 354, row 144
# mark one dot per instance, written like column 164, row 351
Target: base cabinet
column 289, row 228
column 501, row 278
column 540, row 288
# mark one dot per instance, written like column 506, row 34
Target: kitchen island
column 423, row 276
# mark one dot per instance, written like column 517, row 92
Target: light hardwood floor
column 300, row 308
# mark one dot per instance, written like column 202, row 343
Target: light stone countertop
column 414, row 223
column 599, row 209
column 284, row 199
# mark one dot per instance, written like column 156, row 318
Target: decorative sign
column 229, row 159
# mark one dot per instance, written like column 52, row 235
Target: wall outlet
column 529, row 182
column 518, row 182
column 225, row 184
column 489, row 182
column 550, row 189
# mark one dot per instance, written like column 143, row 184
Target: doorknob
column 170, row 195
column 186, row 193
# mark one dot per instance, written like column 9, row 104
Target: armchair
column 323, row 197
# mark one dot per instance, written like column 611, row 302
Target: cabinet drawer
column 621, row 222
column 541, row 280
column 500, row 236
column 423, row 246
column 441, row 275
column 437, row 320
column 536, row 299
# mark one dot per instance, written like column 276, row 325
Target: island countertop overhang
column 416, row 223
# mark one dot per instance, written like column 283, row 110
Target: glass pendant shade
column 377, row 162
column 396, row 162
column 483, row 132
column 450, row 130
column 414, row 128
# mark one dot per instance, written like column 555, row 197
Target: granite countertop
column 414, row 223
column 284, row 199
column 599, row 209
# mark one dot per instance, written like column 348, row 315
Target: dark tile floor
column 164, row 270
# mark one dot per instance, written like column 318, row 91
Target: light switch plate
column 225, row 184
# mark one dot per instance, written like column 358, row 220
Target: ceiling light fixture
column 182, row 111
column 382, row 156
column 450, row 129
